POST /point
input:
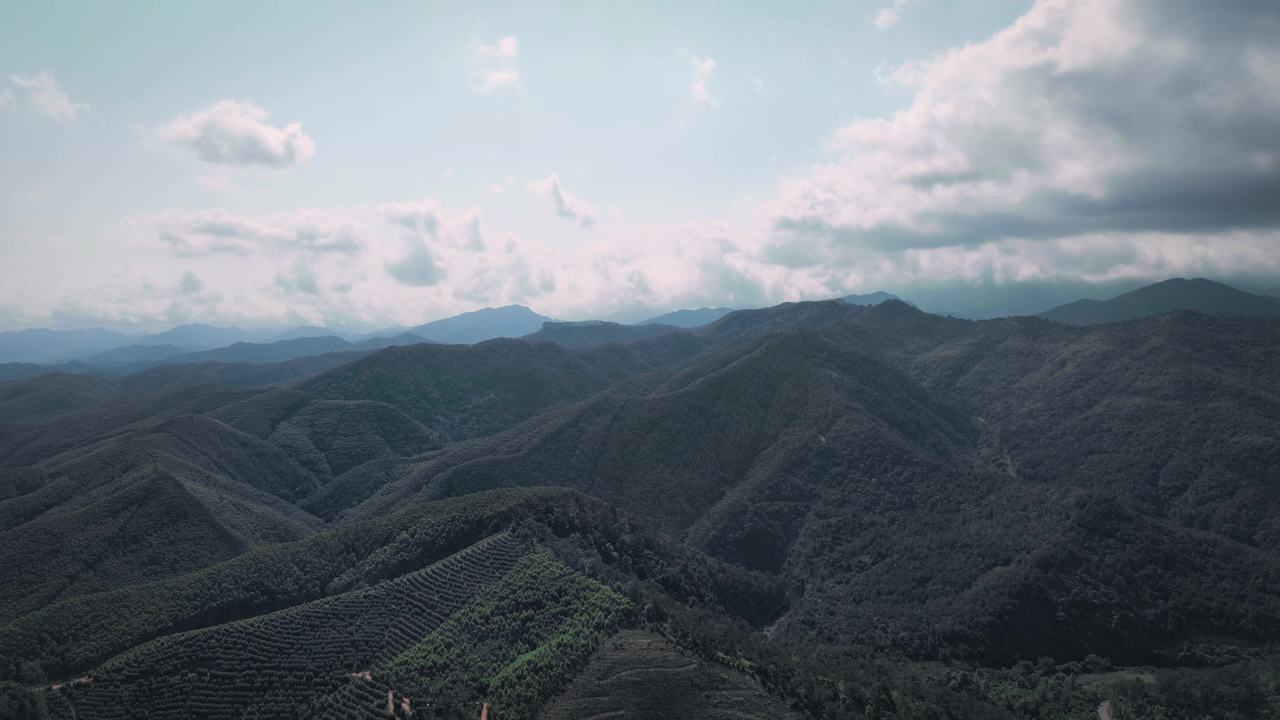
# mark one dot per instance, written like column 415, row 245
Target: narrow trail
column 76, row 681
column 649, row 669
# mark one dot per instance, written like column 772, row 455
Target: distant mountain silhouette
column 874, row 298
column 378, row 343
column 265, row 352
column 130, row 354
column 198, row 335
column 45, row 346
column 305, row 331
column 596, row 332
column 689, row 318
column 1199, row 294
column 509, row 321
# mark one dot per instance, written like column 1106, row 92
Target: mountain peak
column 1200, row 295
column 484, row 324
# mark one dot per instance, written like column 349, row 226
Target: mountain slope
column 841, row 510
column 480, row 587
column 151, row 527
column 464, row 391
column 45, row 396
column 1199, row 294
column 796, row 452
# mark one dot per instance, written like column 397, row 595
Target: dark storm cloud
column 1086, row 116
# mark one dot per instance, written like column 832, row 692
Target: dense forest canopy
column 815, row 509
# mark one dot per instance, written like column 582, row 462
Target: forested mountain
column 810, row 510
column 1199, row 294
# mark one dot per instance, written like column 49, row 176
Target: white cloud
column 238, row 134
column 507, row 47
column 416, row 267
column 300, row 279
column 889, row 16
column 496, row 80
column 218, row 232
column 190, row 284
column 218, row 182
column 496, row 65
column 702, row 71
column 565, row 204
column 41, row 93
column 425, row 219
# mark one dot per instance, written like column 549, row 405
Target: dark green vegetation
column 812, row 510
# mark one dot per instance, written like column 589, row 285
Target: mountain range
column 818, row 509
column 72, row 350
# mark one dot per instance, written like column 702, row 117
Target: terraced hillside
column 275, row 664
column 638, row 674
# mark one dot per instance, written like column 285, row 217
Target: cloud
column 416, row 267
column 1092, row 141
column 889, row 16
column 301, row 279
column 214, row 232
column 702, row 71
column 425, row 219
column 505, row 48
column 496, row 65
column 41, row 93
column 1085, row 118
column 565, row 204
column 422, row 216
column 238, row 134
column 218, row 182
column 495, row 80
column 190, row 284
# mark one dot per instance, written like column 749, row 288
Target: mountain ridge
column 1197, row 294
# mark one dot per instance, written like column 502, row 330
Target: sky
column 360, row 165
